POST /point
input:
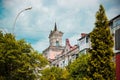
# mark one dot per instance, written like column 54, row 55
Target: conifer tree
column 101, row 63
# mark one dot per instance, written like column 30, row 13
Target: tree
column 37, row 62
column 18, row 60
column 101, row 63
column 54, row 73
column 78, row 68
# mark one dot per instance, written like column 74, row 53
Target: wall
column 118, row 66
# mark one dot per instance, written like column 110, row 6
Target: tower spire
column 55, row 29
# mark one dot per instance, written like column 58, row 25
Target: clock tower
column 55, row 37
column 55, row 44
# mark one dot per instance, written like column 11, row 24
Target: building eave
column 114, row 18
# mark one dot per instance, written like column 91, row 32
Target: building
column 58, row 55
column 55, row 48
column 69, row 54
column 84, row 43
column 115, row 29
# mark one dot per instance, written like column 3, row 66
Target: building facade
column 115, row 29
column 69, row 54
column 84, row 43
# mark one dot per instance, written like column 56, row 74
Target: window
column 77, row 56
column 63, row 63
column 87, row 39
column 117, row 39
column 57, row 43
column 57, row 65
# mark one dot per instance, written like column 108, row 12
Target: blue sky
column 73, row 17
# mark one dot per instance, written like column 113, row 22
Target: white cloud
column 41, row 45
column 112, row 12
column 77, row 3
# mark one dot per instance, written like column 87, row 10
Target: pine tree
column 101, row 63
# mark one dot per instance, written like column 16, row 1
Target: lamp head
column 28, row 8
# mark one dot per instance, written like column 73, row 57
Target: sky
column 73, row 17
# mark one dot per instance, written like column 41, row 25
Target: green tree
column 78, row 68
column 18, row 60
column 101, row 63
column 54, row 73
column 37, row 62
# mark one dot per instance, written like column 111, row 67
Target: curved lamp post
column 18, row 16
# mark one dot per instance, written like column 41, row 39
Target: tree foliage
column 78, row 68
column 101, row 63
column 18, row 60
column 54, row 73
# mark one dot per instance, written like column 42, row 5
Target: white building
column 84, row 43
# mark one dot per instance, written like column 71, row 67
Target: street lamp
column 29, row 8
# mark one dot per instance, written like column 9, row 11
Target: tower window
column 57, row 43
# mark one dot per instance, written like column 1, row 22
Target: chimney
column 68, row 43
column 83, row 34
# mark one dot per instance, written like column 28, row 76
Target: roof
column 55, row 31
column 84, row 37
column 115, row 18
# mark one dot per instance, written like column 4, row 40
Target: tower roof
column 55, row 28
column 55, row 31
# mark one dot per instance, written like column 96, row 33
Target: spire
column 55, row 29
